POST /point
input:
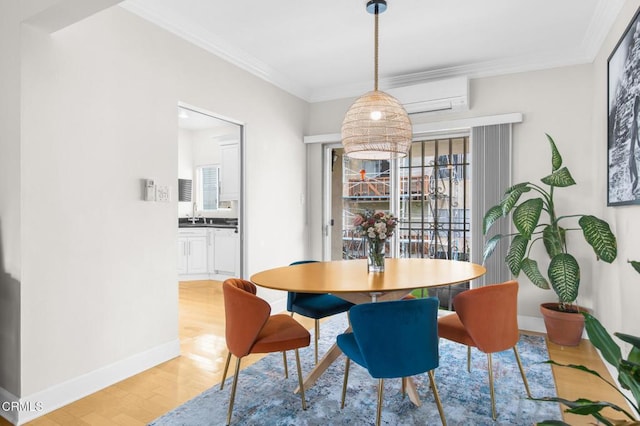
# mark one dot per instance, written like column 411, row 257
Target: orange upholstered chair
column 486, row 317
column 250, row 328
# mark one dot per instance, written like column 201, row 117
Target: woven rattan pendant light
column 376, row 126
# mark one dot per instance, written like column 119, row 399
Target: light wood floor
column 146, row 396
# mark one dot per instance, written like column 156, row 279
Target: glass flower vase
column 375, row 258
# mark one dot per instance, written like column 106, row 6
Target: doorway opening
column 210, row 211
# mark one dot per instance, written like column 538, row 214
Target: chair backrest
column 490, row 315
column 397, row 338
column 292, row 296
column 245, row 315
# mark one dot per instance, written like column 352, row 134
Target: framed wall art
column 623, row 144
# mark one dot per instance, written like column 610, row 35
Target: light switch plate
column 163, row 193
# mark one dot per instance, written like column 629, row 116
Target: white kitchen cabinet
column 211, row 251
column 192, row 251
column 230, row 171
column 227, row 249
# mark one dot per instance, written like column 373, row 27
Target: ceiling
column 324, row 50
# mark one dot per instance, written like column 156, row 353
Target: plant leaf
column 516, row 253
column 635, row 264
column 564, row 274
column 633, row 340
column 581, row 368
column 493, row 214
column 586, row 407
column 594, row 373
column 553, row 238
column 526, row 216
column 556, row 158
column 634, row 356
column 632, row 369
column 629, row 378
column 517, row 186
column 560, row 178
column 530, row 269
column 600, row 238
column 551, row 422
column 601, row 339
column 512, row 196
column 490, row 246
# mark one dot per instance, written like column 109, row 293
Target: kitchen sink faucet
column 194, row 219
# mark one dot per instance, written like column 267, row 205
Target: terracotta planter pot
column 563, row 328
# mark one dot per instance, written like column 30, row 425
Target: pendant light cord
column 375, row 52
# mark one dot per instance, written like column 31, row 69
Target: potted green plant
column 628, row 377
column 533, row 211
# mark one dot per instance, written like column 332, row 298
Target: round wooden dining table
column 350, row 280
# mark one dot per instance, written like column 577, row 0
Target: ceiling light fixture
column 376, row 126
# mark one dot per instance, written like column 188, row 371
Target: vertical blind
column 491, row 176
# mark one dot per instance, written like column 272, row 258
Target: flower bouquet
column 377, row 228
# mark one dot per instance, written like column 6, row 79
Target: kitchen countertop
column 228, row 223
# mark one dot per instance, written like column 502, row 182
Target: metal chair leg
column 346, row 378
column 380, row 391
column 436, row 396
column 468, row 359
column 224, row 372
column 233, row 392
column 304, row 402
column 494, row 415
column 284, row 360
column 317, row 337
column 524, row 378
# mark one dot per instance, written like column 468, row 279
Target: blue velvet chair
column 316, row 306
column 391, row 340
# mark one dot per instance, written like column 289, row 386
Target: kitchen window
column 207, row 187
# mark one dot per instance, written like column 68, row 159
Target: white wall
column 99, row 264
column 10, row 184
column 618, row 290
column 570, row 104
column 185, row 166
column 99, row 114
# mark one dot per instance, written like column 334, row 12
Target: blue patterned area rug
column 265, row 397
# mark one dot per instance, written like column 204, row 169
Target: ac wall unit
column 438, row 95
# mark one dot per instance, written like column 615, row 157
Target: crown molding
column 604, row 16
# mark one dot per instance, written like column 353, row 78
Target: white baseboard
column 7, row 402
column 221, row 276
column 527, row 323
column 45, row 401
